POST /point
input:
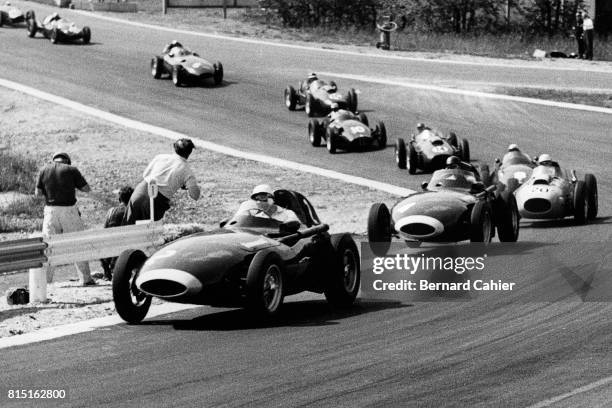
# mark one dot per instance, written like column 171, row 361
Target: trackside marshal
column 425, row 285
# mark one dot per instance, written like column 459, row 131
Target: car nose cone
column 168, row 283
column 419, row 226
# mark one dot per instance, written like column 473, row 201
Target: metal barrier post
column 38, row 284
column 153, row 190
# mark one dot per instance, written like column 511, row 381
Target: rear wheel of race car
column 580, row 202
column 131, row 304
column 381, row 130
column 308, row 106
column 53, row 36
column 363, row 118
column 86, row 35
column 512, row 185
column 452, row 139
column 31, row 23
column 218, row 73
column 481, row 223
column 177, row 75
column 485, row 174
column 314, row 132
column 507, row 217
column 332, row 143
column 590, row 186
column 264, row 284
column 379, row 228
column 290, row 98
column 400, row 153
column 344, row 275
column 412, row 159
column 156, row 67
column 464, row 148
column 352, row 100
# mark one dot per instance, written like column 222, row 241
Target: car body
column 57, row 29
column 429, row 149
column 513, row 169
column 251, row 262
column 10, row 15
column 184, row 67
column 347, row 131
column 551, row 193
column 454, row 206
column 318, row 96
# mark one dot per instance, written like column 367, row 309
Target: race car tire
column 381, row 130
column 512, row 185
column 31, row 25
column 485, row 174
column 86, row 35
column 465, row 150
column 264, row 284
column 412, row 159
column 177, row 75
column 315, row 128
column 218, row 73
column 131, row 304
column 590, row 185
column 452, row 139
column 352, row 100
column 363, row 118
column 507, row 217
column 481, row 223
column 400, row 153
column 344, row 273
column 1, row 18
column 333, row 84
column 53, row 36
column 580, row 204
column 332, row 143
column 156, row 67
column 379, row 229
column 290, row 98
column 308, row 106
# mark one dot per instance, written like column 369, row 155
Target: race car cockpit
column 547, row 170
column 50, row 18
column 452, row 178
column 514, row 158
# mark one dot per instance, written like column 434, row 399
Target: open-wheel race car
column 317, row 97
column 551, row 193
column 513, row 169
column 455, row 205
column 429, row 149
column 251, row 261
column 10, row 14
column 57, row 29
column 345, row 130
column 185, row 67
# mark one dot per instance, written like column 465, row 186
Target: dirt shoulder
column 110, row 156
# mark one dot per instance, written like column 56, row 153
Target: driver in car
column 514, row 152
column 176, row 48
column 453, row 162
column 262, row 205
column 336, row 112
column 552, row 166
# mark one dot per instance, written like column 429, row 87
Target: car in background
column 185, row 67
column 318, row 96
column 57, row 29
column 347, row 131
column 10, row 15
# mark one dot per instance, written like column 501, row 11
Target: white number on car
column 357, row 129
column 439, row 149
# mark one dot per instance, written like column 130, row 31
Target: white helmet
column 513, row 147
column 312, row 76
column 262, row 189
column 544, row 158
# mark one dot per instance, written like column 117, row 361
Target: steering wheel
column 255, row 212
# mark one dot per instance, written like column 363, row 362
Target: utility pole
column 508, row 5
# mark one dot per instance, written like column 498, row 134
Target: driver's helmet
column 261, row 190
column 420, row 127
column 8, row 3
column 513, row 148
column 312, row 77
column 175, row 43
column 545, row 159
column 335, row 107
column 52, row 17
column 452, row 162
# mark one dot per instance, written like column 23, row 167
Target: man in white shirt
column 262, row 205
column 170, row 172
column 588, row 27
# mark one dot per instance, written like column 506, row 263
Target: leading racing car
column 317, row 97
column 455, row 205
column 250, row 262
column 184, row 66
column 57, row 29
column 10, row 14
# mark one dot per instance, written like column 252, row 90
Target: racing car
column 513, row 169
column 250, row 261
column 317, row 97
column 184, row 66
column 57, row 29
column 429, row 149
column 455, row 205
column 10, row 14
column 347, row 131
column 552, row 194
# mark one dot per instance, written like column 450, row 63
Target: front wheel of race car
column 590, row 186
column 156, row 67
column 412, row 159
column 315, row 128
column 177, row 75
column 507, row 217
column 86, row 35
column 464, row 150
column 344, row 273
column 580, row 205
column 1, row 19
column 264, row 284
column 218, row 73
column 363, row 118
column 31, row 25
column 352, row 100
column 381, row 131
column 452, row 139
column 512, row 185
column 400, row 153
column 332, row 143
column 53, row 36
column 379, row 228
column 481, row 223
column 308, row 106
column 131, row 304
column 290, row 98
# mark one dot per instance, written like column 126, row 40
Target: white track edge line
column 328, row 50
column 478, row 94
column 172, row 135
column 580, row 390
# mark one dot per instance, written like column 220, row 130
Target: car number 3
column 439, row 149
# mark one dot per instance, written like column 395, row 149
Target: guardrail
column 22, row 254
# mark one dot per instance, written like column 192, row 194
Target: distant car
column 10, row 14
column 250, row 262
column 347, row 131
column 513, row 170
column 429, row 149
column 318, row 96
column 552, row 194
column 184, row 67
column 57, row 29
column 454, row 206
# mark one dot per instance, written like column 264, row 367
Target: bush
column 18, row 172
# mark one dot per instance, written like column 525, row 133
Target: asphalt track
column 486, row 352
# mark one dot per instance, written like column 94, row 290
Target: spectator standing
column 114, row 218
column 57, row 182
column 579, row 35
column 170, row 172
column 588, row 28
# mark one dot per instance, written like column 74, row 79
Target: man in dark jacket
column 579, row 35
column 114, row 218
